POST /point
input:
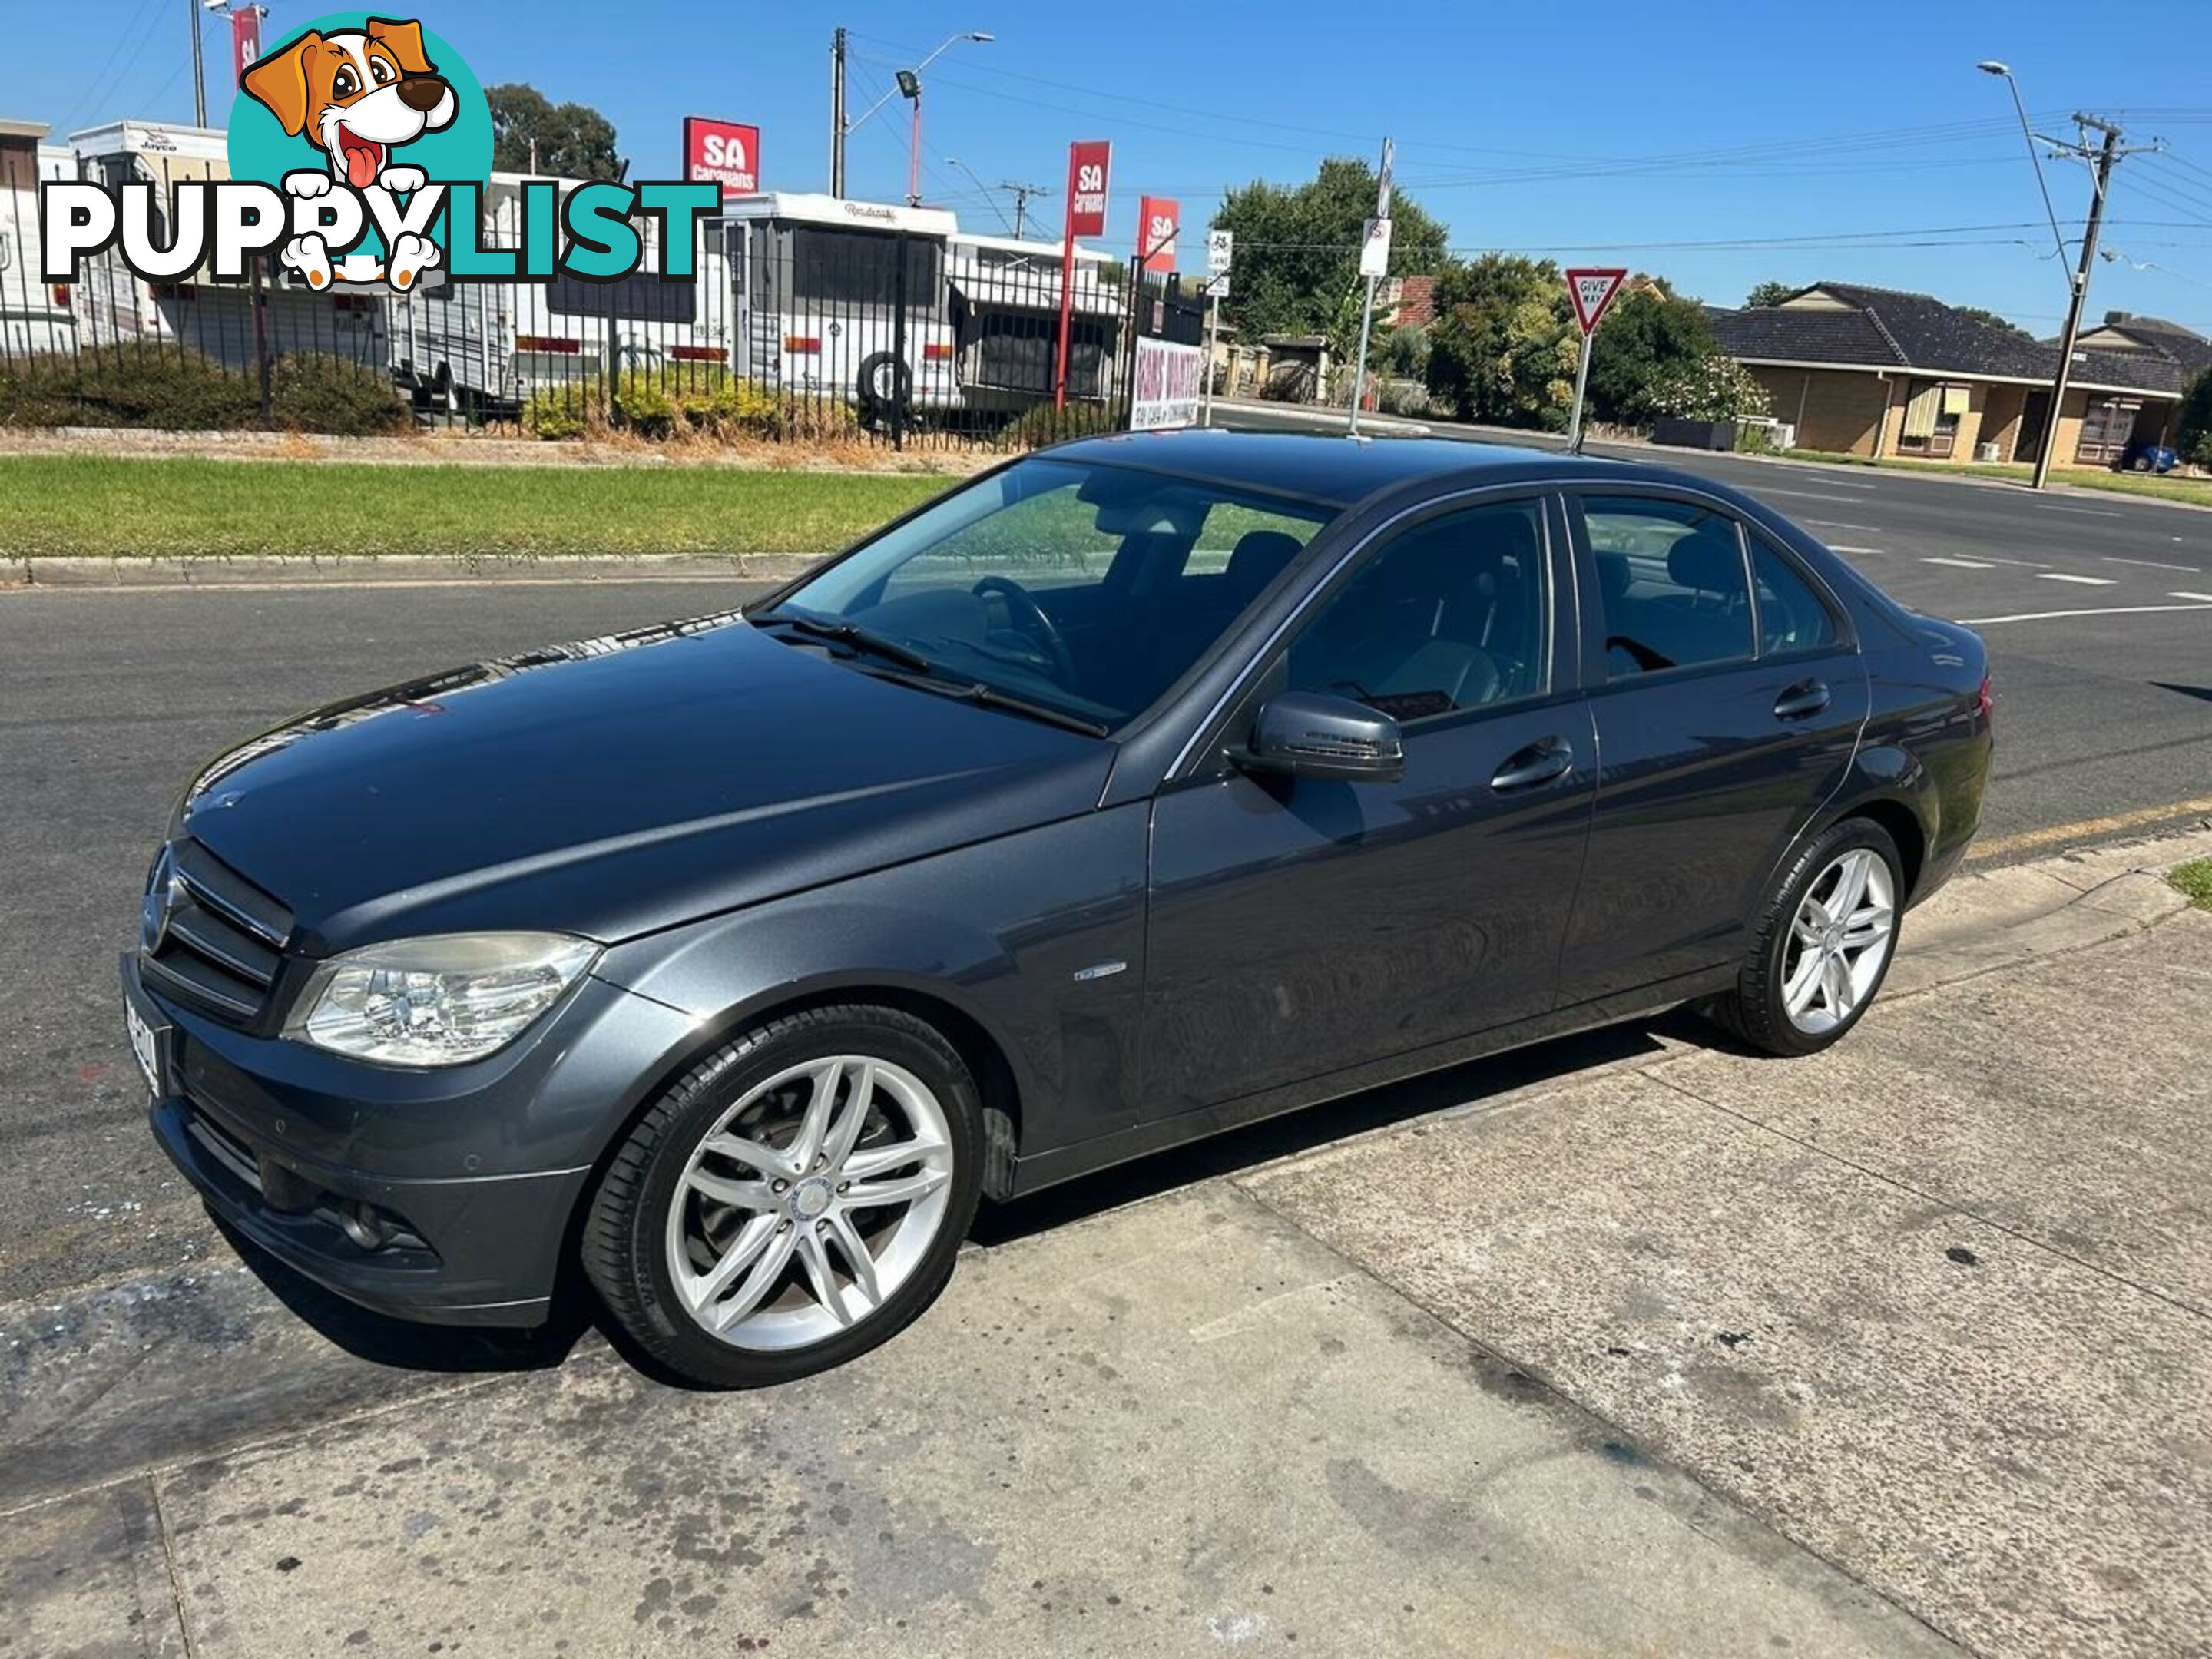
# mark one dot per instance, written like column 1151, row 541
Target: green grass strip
column 106, row 507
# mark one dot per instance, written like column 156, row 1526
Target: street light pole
column 199, row 67
column 909, row 87
column 837, row 113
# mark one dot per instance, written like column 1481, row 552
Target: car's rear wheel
column 1822, row 945
column 795, row 1200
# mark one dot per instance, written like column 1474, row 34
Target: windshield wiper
column 850, row 635
column 990, row 696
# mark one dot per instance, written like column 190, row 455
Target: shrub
column 1716, row 388
column 558, row 414
column 1046, row 425
column 2194, row 431
column 135, row 386
column 643, row 404
column 149, row 385
column 309, row 392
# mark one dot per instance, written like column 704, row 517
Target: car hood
column 619, row 786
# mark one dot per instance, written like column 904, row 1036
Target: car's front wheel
column 1822, row 943
column 795, row 1200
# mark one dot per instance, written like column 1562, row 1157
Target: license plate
column 144, row 1046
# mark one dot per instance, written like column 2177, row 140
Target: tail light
column 937, row 352
column 801, row 344
column 559, row 345
column 696, row 353
column 1984, row 706
column 61, row 294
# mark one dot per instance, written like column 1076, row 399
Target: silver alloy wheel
column 1839, row 941
column 810, row 1202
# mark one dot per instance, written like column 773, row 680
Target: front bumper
column 444, row 1197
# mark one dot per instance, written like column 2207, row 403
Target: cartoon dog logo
column 357, row 95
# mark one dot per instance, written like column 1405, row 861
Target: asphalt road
column 111, row 697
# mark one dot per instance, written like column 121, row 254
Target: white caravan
column 34, row 314
column 114, row 307
column 485, row 347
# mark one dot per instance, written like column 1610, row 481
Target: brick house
column 1875, row 372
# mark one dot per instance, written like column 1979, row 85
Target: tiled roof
column 1886, row 328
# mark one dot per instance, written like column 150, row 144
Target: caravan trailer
column 34, row 314
column 484, row 348
column 876, row 304
column 114, row 305
column 842, row 300
column 1005, row 300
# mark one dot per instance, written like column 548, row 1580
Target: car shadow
column 576, row 1316
column 1313, row 1126
column 404, row 1343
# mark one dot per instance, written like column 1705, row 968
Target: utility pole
column 2103, row 157
column 199, row 67
column 1021, row 194
column 837, row 113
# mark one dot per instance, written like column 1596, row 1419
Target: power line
column 95, row 89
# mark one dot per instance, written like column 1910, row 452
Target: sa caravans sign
column 725, row 153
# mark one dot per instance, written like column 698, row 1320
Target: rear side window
column 1671, row 589
column 1791, row 615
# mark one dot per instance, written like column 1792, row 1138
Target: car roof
column 1340, row 471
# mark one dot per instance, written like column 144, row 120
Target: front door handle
column 1540, row 762
column 1804, row 698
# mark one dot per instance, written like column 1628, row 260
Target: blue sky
column 1755, row 123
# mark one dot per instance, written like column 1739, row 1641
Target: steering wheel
column 1029, row 617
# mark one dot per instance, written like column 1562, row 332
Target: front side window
column 1444, row 616
column 1088, row 589
column 1672, row 591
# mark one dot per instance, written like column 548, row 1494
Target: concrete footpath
column 1630, row 1344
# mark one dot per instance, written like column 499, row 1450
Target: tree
column 1995, row 321
column 572, row 141
column 1503, row 348
column 1297, row 247
column 1651, row 336
column 2193, row 433
column 1769, row 294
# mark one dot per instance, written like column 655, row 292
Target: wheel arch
column 1902, row 826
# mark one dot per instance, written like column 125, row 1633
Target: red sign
column 1592, row 290
column 725, row 153
column 1157, row 221
column 1088, row 163
column 245, row 40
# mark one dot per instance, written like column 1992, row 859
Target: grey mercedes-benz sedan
column 1139, row 788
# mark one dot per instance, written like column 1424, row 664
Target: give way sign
column 1593, row 290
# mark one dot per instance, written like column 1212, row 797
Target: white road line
column 2205, row 597
column 2114, row 610
column 2024, row 564
column 1835, row 524
column 1838, row 547
column 2152, row 564
column 2065, row 576
column 1962, row 565
column 1807, row 496
column 2086, row 511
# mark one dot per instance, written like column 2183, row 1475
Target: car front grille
column 222, row 945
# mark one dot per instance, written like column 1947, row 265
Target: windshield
column 1084, row 589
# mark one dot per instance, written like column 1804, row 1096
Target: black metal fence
column 817, row 329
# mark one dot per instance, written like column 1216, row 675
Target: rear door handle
column 1540, row 762
column 1805, row 697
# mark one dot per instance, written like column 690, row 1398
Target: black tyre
column 797, row 1199
column 883, row 384
column 1822, row 943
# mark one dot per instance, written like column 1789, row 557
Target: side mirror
column 1308, row 734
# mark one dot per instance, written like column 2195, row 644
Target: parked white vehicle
column 114, row 305
column 34, row 314
column 1005, row 309
column 843, row 299
column 487, row 346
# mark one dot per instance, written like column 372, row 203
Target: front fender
column 997, row 932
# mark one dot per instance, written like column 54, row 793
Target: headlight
column 437, row 1001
